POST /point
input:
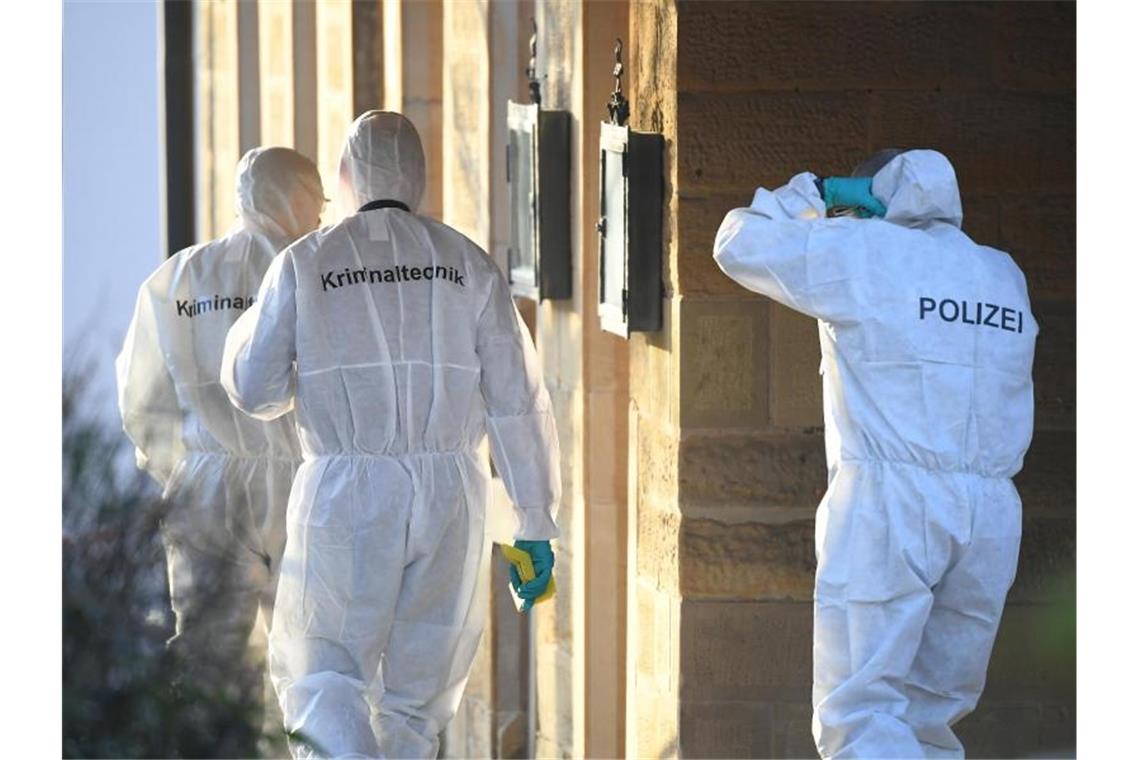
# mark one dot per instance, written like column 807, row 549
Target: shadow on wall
column 118, row 697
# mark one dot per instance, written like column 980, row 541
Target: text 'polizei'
column 971, row 313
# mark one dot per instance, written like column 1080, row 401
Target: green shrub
column 119, row 692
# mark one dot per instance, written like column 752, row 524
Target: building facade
column 693, row 456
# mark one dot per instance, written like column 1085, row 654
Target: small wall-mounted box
column 632, row 192
column 538, row 180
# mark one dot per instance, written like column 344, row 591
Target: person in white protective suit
column 927, row 341
column 225, row 477
column 397, row 342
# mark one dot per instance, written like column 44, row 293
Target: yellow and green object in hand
column 532, row 572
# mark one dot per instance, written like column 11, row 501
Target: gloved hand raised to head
column 853, row 192
column 542, row 556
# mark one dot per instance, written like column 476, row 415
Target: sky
column 112, row 190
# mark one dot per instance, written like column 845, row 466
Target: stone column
column 605, row 378
column 480, row 71
column 249, row 77
column 560, row 626
column 217, row 129
column 654, row 596
column 275, row 50
column 305, row 81
column 367, row 56
column 413, row 82
column 466, row 119
column 333, row 31
column 466, row 206
column 287, row 53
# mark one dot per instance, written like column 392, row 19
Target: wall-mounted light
column 631, row 191
column 538, row 182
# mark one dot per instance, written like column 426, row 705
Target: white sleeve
column 258, row 363
column 784, row 246
column 520, row 420
column 148, row 400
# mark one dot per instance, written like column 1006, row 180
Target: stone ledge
column 1037, row 47
column 796, row 396
column 1048, row 481
column 1039, row 230
column 724, row 362
column 1055, row 367
column 725, row 140
column 747, row 561
column 769, row 470
column 997, row 141
column 1048, row 556
column 743, row 47
column 745, row 651
column 725, row 729
column 1019, row 729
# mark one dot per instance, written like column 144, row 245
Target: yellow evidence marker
column 525, row 568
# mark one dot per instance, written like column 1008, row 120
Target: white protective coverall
column 927, row 342
column 225, row 477
column 396, row 341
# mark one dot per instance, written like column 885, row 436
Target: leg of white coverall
column 214, row 595
column 871, row 605
column 433, row 640
column 272, row 743
column 214, row 598
column 219, row 573
column 950, row 669
column 336, row 595
column 279, row 481
column 862, row 651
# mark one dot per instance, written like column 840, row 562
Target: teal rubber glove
column 542, row 557
column 853, row 192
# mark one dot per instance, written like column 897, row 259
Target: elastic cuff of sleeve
column 801, row 197
column 536, row 525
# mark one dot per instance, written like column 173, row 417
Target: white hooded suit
column 396, row 341
column 225, row 476
column 927, row 341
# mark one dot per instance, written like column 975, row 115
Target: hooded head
column 383, row 159
column 279, row 193
column 918, row 187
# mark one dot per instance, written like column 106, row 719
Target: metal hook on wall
column 618, row 105
column 532, row 67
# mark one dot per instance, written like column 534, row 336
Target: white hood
column 382, row 159
column 919, row 187
column 279, row 193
